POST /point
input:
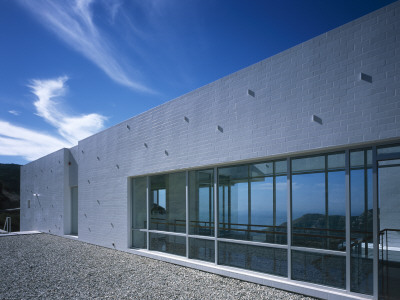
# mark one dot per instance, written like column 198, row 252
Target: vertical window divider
column 348, row 219
column 326, row 203
column 147, row 212
column 274, row 200
column 248, row 202
column 216, row 215
column 187, row 213
column 289, row 217
column 375, row 222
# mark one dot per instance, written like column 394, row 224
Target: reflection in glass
column 252, row 202
column 319, row 268
column 139, row 211
column 255, row 258
column 389, row 225
column 319, row 202
column 168, row 202
column 168, row 243
column 202, row 249
column 201, row 202
column 361, row 222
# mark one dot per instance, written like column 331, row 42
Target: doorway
column 74, row 210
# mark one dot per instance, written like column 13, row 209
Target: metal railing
column 7, row 225
column 389, row 261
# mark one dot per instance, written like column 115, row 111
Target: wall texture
column 222, row 123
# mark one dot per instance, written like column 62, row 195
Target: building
column 290, row 157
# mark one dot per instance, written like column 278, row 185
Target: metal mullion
column 216, row 214
column 348, row 220
column 366, row 198
column 252, row 243
column 326, row 203
column 289, row 217
column 318, row 250
column 168, row 233
column 201, row 237
column 148, row 213
column 249, row 221
column 274, row 199
column 375, row 221
column 187, row 213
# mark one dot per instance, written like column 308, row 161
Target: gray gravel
column 43, row 266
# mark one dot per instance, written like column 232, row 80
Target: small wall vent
column 365, row 77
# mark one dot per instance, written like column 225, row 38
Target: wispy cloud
column 31, row 144
column 72, row 22
column 14, row 112
column 72, row 128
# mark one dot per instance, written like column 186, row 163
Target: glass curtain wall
column 246, row 205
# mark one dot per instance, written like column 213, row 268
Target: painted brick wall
column 320, row 77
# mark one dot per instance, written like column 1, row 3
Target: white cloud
column 72, row 22
column 14, row 112
column 72, row 128
column 30, row 144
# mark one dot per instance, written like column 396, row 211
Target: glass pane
column 308, row 164
column 230, row 173
column 308, row 210
column 262, row 169
column 336, row 161
column 281, row 209
column 281, row 167
column 234, row 211
column 139, row 239
column 202, row 249
column 319, row 206
column 262, row 210
column 139, row 211
column 168, row 202
column 253, row 208
column 389, row 225
column 255, row 258
column 201, row 202
column 168, row 243
column 388, row 162
column 357, row 159
column 361, row 224
column 319, row 268
column 337, row 211
column 389, row 150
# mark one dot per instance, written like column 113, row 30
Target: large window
column 319, row 202
column 252, row 202
column 168, row 202
column 201, row 202
column 247, row 206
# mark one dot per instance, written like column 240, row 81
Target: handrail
column 7, row 225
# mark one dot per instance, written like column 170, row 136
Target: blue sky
column 69, row 69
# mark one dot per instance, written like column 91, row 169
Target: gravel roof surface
column 43, row 266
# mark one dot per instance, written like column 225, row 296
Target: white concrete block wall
column 43, row 184
column 320, row 77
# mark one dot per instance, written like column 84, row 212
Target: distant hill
column 9, row 185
